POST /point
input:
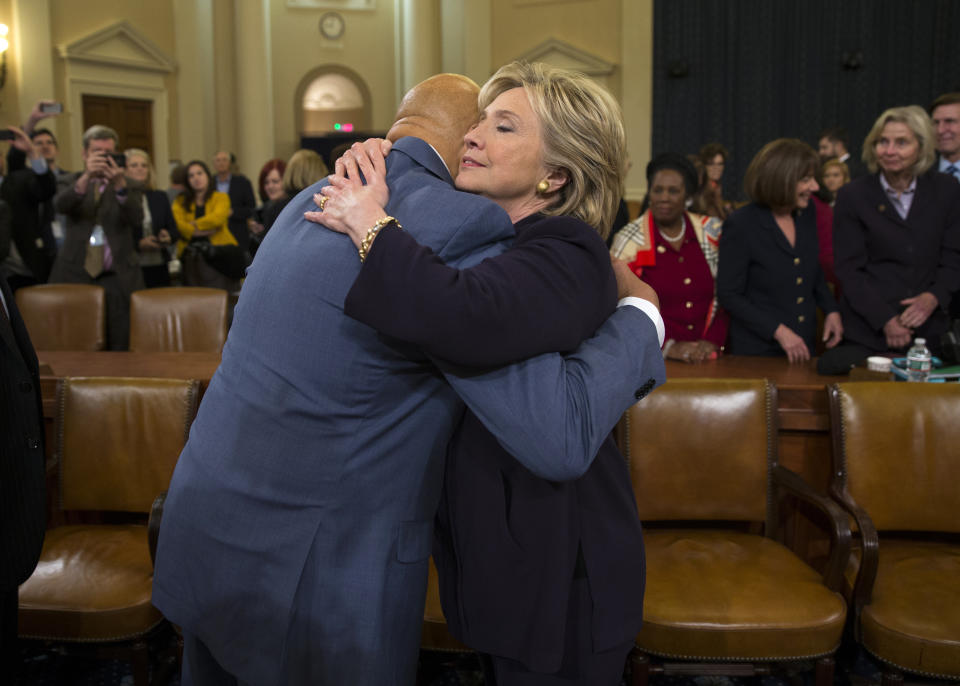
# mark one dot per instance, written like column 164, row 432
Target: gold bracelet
column 372, row 233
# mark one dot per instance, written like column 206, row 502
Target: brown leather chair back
column 897, row 452
column 178, row 320
column 64, row 316
column 701, row 449
column 118, row 439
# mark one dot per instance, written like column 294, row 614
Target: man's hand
column 37, row 113
column 792, row 344
column 628, row 285
column 23, row 142
column 897, row 335
column 919, row 309
column 149, row 244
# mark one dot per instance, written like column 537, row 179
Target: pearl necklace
column 673, row 239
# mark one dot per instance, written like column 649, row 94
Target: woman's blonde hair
column 919, row 123
column 774, row 172
column 304, row 169
column 151, row 175
column 582, row 129
column 842, row 166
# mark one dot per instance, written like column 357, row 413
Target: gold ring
column 323, row 201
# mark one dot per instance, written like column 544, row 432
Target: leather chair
column 64, row 316
column 896, row 452
column 702, row 455
column 117, row 443
column 178, row 320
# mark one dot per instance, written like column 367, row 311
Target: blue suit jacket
column 300, row 516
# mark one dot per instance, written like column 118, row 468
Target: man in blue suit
column 298, row 526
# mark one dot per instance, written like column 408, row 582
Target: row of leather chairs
column 73, row 317
column 724, row 595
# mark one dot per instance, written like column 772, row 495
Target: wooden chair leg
column 639, row 668
column 140, row 661
column 824, row 671
column 891, row 678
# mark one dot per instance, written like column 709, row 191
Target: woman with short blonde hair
column 896, row 238
column 918, row 121
column 157, row 231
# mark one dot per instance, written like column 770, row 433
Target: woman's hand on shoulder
column 792, row 344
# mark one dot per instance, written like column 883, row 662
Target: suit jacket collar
column 423, row 154
column 768, row 221
column 879, row 199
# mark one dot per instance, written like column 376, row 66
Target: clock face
column 331, row 25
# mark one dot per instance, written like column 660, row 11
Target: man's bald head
column 439, row 110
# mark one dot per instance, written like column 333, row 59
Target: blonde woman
column 155, row 235
column 304, row 168
column 896, row 236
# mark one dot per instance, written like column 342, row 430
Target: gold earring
column 543, row 187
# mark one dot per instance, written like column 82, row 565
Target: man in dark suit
column 98, row 245
column 834, row 143
column 29, row 193
column 240, row 190
column 22, row 494
column 945, row 112
column 298, row 527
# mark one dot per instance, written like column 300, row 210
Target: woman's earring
column 543, row 187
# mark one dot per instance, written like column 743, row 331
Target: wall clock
column 331, row 25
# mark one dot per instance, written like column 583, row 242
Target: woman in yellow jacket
column 201, row 213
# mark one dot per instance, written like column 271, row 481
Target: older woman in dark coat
column 896, row 235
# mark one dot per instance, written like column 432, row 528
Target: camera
column 7, row 135
column 119, row 159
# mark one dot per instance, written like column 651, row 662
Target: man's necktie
column 954, row 171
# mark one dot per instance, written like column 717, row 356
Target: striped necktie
column 954, row 171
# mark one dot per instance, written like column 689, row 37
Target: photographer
column 28, row 249
column 98, row 246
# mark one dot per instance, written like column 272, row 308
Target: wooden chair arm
column 840, row 542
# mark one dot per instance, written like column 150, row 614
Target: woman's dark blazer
column 506, row 541
column 763, row 281
column 880, row 259
column 161, row 215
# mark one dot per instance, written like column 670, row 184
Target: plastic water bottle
column 918, row 361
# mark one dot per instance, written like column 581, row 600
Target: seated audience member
column 834, row 143
column 201, row 213
column 28, row 247
column 675, row 251
column 270, row 187
column 240, row 190
column 178, row 182
column 770, row 280
column 945, row 112
column 709, row 200
column 98, row 245
column 896, row 239
column 830, row 177
column 158, row 229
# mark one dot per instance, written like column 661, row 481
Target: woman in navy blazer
column 769, row 279
column 896, row 236
column 158, row 230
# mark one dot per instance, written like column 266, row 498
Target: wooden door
column 131, row 119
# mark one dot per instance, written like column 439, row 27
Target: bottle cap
column 919, row 341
